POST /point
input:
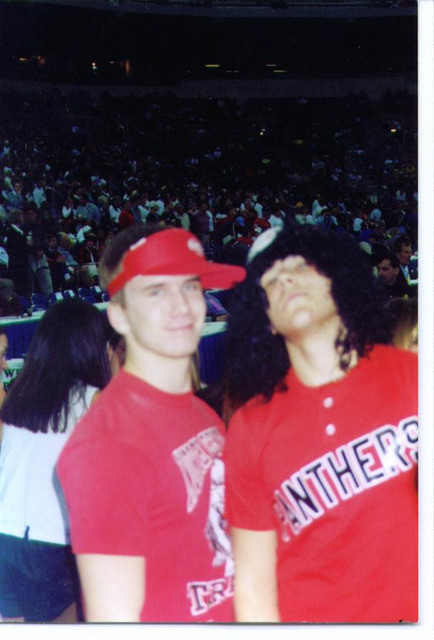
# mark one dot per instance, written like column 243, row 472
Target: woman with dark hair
column 65, row 367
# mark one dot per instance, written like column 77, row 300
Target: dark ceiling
column 64, row 43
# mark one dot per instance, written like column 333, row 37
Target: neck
column 171, row 375
column 316, row 360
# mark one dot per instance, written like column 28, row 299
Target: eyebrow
column 158, row 284
column 266, row 278
column 278, row 267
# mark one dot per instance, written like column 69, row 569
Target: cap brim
column 224, row 276
column 213, row 275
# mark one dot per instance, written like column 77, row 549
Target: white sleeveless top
column 30, row 494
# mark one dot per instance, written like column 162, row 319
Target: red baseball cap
column 174, row 252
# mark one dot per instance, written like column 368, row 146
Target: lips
column 184, row 327
column 294, row 295
column 187, row 328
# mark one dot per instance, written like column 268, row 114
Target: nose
column 285, row 276
column 179, row 301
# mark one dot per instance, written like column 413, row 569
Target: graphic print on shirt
column 342, row 474
column 195, row 458
column 200, row 455
column 216, row 527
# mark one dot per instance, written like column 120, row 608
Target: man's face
column 386, row 272
column 300, row 300
column 162, row 316
column 405, row 254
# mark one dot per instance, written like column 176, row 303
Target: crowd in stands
column 76, row 169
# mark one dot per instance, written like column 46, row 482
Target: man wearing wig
column 143, row 475
column 321, row 456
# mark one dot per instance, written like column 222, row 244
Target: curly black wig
column 256, row 360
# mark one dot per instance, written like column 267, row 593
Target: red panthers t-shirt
column 333, row 469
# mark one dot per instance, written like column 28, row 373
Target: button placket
column 330, row 428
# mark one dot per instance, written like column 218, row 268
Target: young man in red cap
column 143, row 474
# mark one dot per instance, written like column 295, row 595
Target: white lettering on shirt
column 339, row 475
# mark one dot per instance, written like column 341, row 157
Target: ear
column 273, row 331
column 117, row 318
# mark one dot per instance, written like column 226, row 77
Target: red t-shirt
column 334, row 469
column 143, row 475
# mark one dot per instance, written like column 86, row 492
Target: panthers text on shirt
column 339, row 475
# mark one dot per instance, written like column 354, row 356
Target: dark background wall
column 69, row 44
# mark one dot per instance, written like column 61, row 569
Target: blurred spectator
column 405, row 323
column 66, row 366
column 19, row 247
column 57, row 263
column 388, row 273
column 41, row 270
column 87, row 251
column 14, row 198
column 38, row 193
column 403, row 250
